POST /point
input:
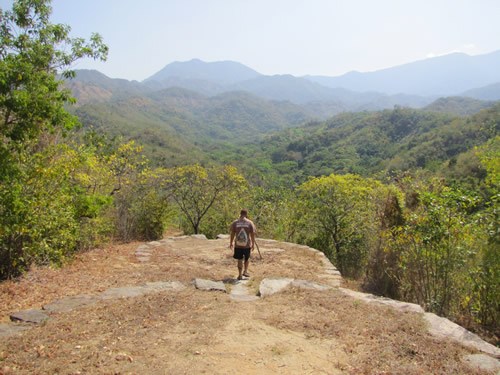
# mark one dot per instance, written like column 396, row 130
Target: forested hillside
column 368, row 143
column 405, row 201
column 174, row 124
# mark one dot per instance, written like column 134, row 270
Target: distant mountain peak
column 219, row 72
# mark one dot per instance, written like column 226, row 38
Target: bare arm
column 252, row 236
column 233, row 233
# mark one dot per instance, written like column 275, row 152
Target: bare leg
column 240, row 268
column 245, row 271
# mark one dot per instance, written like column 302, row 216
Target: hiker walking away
column 243, row 241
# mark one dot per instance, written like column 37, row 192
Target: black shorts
column 239, row 253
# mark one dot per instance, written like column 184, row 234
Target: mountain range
column 191, row 111
column 448, row 75
column 415, row 84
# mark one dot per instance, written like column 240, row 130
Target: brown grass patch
column 191, row 331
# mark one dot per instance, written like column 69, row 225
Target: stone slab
column 70, row 303
column 270, row 286
column 444, row 328
column 199, row 236
column 304, row 284
column 29, row 316
column 203, row 284
column 123, row 292
column 370, row 298
column 483, row 362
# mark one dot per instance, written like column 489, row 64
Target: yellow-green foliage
column 336, row 214
column 196, row 190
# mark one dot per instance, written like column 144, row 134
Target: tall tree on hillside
column 33, row 52
column 195, row 189
column 336, row 215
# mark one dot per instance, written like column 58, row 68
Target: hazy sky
column 299, row 37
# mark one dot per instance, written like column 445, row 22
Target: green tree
column 336, row 214
column 437, row 247
column 272, row 211
column 485, row 276
column 196, row 189
column 33, row 52
column 383, row 269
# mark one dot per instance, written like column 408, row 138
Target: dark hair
column 244, row 213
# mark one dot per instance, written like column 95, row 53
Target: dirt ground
column 200, row 332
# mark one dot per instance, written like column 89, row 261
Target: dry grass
column 294, row 332
column 373, row 337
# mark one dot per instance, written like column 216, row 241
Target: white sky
column 299, row 37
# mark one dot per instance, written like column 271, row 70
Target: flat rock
column 483, row 362
column 136, row 291
column 29, row 316
column 370, row 298
column 444, row 328
column 199, row 236
column 209, row 285
column 70, row 303
column 7, row 330
column 268, row 287
column 123, row 292
column 304, row 284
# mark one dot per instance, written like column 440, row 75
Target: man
column 243, row 239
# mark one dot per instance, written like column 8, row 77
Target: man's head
column 243, row 213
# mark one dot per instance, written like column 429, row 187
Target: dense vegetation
column 404, row 200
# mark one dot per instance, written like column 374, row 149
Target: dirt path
column 191, row 331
